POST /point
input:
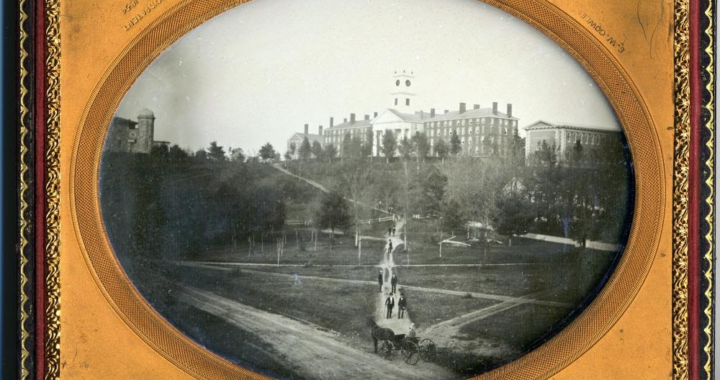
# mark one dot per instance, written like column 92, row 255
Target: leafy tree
column 368, row 143
column 267, row 153
column 305, row 149
column 201, row 155
column 453, row 218
column 455, row 144
column 330, row 151
column 176, row 154
column 237, row 155
column 333, row 213
column 159, row 151
column 441, row 149
column 317, row 150
column 288, row 156
column 422, row 147
column 514, row 216
column 292, row 148
column 216, row 152
column 406, row 148
column 389, row 145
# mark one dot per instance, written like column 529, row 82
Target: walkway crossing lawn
column 529, row 322
column 428, row 309
column 339, row 307
column 563, row 285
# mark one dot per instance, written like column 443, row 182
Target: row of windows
column 482, row 139
column 355, row 131
column 464, row 131
column 463, row 122
column 585, row 138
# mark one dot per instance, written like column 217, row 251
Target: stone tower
column 145, row 133
column 403, row 94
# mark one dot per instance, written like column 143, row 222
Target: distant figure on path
column 393, row 231
column 390, row 304
column 380, row 279
column 389, row 245
column 393, row 282
column 389, row 231
column 402, row 304
column 297, row 280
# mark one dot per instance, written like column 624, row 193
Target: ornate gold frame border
column 52, row 191
column 681, row 190
column 710, row 200
column 24, row 188
column 680, row 186
column 555, row 355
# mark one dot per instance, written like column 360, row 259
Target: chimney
column 344, row 120
column 367, row 117
column 332, row 122
column 476, row 107
column 432, row 112
column 320, row 130
column 352, row 118
column 307, row 129
column 446, row 111
column 375, row 115
column 422, row 114
column 509, row 110
column 495, row 109
column 462, row 108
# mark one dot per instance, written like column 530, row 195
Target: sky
column 257, row 73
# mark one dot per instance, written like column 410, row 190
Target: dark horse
column 379, row 333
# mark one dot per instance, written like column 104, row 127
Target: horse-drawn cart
column 411, row 348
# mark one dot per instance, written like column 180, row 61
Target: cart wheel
column 386, row 349
column 427, row 350
column 410, row 352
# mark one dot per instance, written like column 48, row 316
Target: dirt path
column 308, row 351
column 387, row 266
column 443, row 332
column 323, row 188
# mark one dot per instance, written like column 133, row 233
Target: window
column 477, row 130
column 462, row 123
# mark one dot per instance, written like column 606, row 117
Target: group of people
column 390, row 301
column 390, row 305
column 391, row 231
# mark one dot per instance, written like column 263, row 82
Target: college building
column 131, row 136
column 481, row 131
column 564, row 137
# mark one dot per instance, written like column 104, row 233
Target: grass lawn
column 529, row 324
column 428, row 309
column 342, row 308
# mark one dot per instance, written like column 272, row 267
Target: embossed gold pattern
column 539, row 364
column 24, row 223
column 710, row 182
column 680, row 190
column 52, row 191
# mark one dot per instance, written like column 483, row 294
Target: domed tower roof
column 146, row 113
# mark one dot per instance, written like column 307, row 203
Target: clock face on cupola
column 402, row 98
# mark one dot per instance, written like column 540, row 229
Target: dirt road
column 310, row 352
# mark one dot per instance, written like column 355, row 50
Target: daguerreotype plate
column 368, row 190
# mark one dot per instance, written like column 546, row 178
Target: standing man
column 389, row 245
column 402, row 304
column 393, row 231
column 390, row 304
column 393, row 282
column 380, row 279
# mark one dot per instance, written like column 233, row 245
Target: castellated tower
column 145, row 132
